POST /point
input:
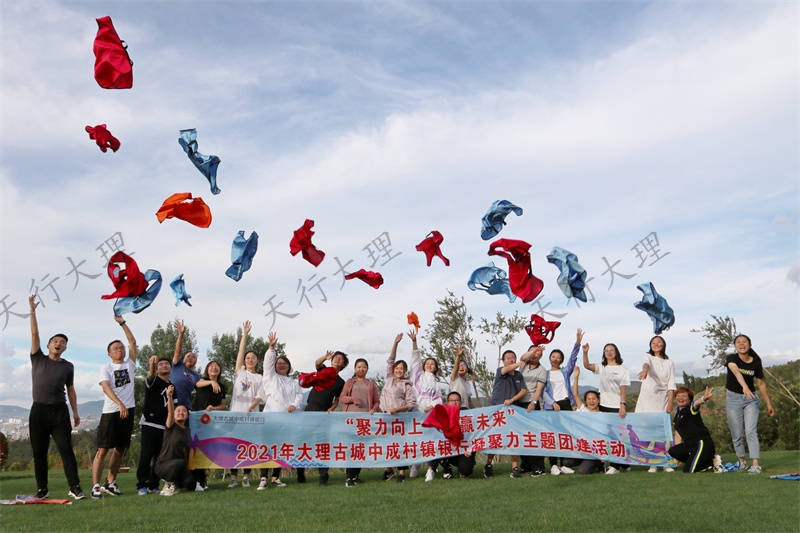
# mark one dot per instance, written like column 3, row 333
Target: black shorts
column 115, row 432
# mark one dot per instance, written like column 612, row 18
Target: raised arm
column 319, row 364
column 393, row 356
column 576, row 391
column 151, row 369
column 456, row 363
column 707, row 396
column 242, row 345
column 510, row 368
column 179, row 325
column 36, row 343
column 170, row 406
column 586, row 364
column 573, row 357
column 269, row 359
column 416, row 358
column 132, row 352
column 527, row 355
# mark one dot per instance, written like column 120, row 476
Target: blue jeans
column 743, row 422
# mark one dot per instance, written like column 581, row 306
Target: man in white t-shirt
column 116, row 422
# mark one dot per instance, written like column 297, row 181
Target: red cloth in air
column 540, row 330
column 445, row 419
column 321, row 379
column 103, row 137
column 181, row 205
column 128, row 281
column 113, row 68
column 301, row 242
column 413, row 319
column 520, row 277
column 373, row 279
column 431, row 246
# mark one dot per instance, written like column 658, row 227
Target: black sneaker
column 76, row 493
column 515, row 472
column 401, row 478
column 487, row 471
column 111, row 488
column 96, row 493
column 350, row 482
column 388, row 475
column 537, row 472
column 447, row 475
column 301, row 477
column 42, row 494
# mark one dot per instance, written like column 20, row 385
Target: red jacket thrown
column 373, row 279
column 128, row 281
column 113, row 68
column 100, row 135
column 520, row 277
column 431, row 246
column 301, row 242
column 540, row 330
column 181, row 205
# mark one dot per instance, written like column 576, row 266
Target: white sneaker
column 718, row 469
column 668, row 469
column 430, row 475
column 554, row 470
column 653, row 470
column 414, row 471
column 567, row 470
column 169, row 490
column 232, row 483
column 611, row 470
column 198, row 487
column 246, row 483
column 263, row 484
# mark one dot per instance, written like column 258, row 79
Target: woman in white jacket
column 658, row 383
column 280, row 394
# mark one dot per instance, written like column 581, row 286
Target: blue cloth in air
column 206, row 164
column 178, row 287
column 242, row 254
column 656, row 307
column 494, row 219
column 137, row 304
column 572, row 279
column 491, row 279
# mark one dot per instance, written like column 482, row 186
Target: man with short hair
column 152, row 423
column 508, row 389
column 325, row 400
column 183, row 376
column 535, row 376
column 51, row 376
column 116, row 422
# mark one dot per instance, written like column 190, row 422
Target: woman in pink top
column 359, row 395
column 397, row 396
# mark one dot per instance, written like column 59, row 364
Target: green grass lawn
column 635, row 501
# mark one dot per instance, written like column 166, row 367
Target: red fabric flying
column 445, row 419
column 520, row 277
column 540, row 330
column 413, row 319
column 128, row 281
column 103, row 137
column 321, row 379
column 113, row 68
column 430, row 245
column 181, row 205
column 373, row 279
column 301, row 242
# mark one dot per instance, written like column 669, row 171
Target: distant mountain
column 94, row 409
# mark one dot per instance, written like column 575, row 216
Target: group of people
column 173, row 388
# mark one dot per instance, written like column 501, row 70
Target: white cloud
column 793, row 274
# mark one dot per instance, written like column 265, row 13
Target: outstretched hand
column 32, row 302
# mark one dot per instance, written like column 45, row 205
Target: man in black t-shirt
column 325, row 400
column 52, row 376
column 152, row 424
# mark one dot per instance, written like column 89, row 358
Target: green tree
column 720, row 332
column 452, row 326
column 502, row 330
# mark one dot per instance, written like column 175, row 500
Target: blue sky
column 603, row 121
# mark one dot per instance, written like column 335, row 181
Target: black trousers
column 696, row 456
column 151, row 446
column 529, row 463
column 176, row 471
column 464, row 464
column 46, row 420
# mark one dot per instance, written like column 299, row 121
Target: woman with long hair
column 657, row 394
column 359, row 395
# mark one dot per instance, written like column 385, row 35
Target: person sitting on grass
column 590, row 404
column 693, row 444
column 465, row 463
column 172, row 464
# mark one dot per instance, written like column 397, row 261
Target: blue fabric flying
column 206, row 164
column 572, row 279
column 656, row 307
column 491, row 279
column 178, row 287
column 242, row 254
column 494, row 219
column 137, row 304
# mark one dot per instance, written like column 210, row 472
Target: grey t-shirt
column 50, row 378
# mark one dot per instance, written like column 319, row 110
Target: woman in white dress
column 658, row 383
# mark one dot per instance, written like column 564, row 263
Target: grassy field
column 635, row 501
